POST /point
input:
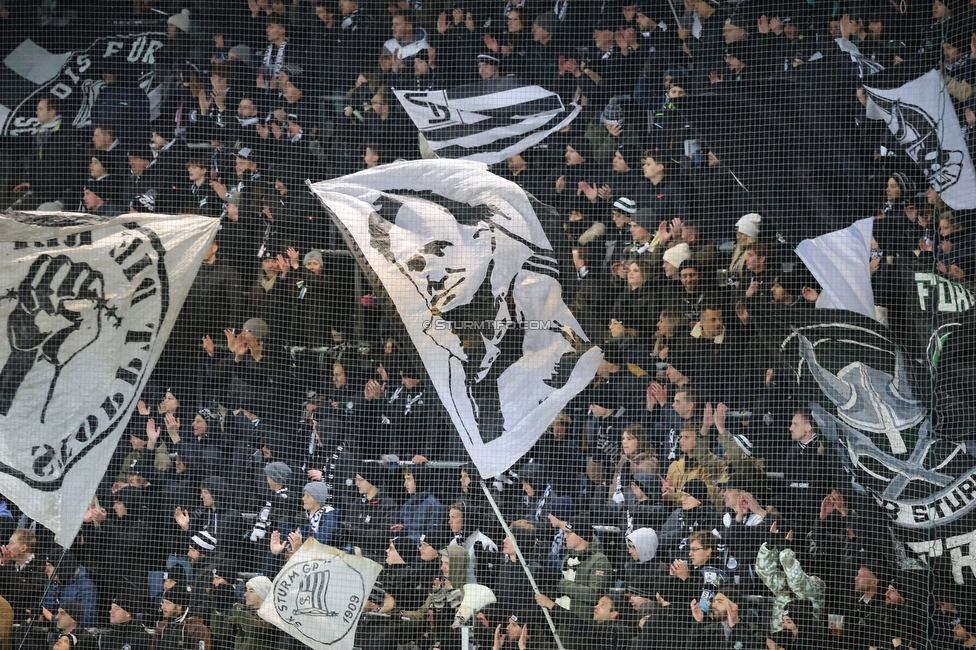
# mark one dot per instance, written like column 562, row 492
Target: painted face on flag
column 447, row 261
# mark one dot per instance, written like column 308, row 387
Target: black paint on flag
column 489, row 121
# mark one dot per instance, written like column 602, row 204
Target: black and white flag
column 31, row 73
column 86, row 305
column 489, row 121
column 462, row 255
column 319, row 596
column 921, row 116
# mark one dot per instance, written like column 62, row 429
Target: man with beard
column 178, row 626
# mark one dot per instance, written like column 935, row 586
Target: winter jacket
column 78, row 588
column 183, row 633
column 586, row 577
column 250, row 631
column 131, row 635
column 421, row 514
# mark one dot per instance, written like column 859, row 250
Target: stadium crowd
column 685, row 499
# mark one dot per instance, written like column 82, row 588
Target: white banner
column 489, row 121
column 319, row 596
column 922, row 116
column 86, row 305
column 462, row 255
column 840, row 261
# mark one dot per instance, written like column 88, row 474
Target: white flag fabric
column 31, row 73
column 489, row 121
column 840, row 261
column 921, row 115
column 319, row 595
column 462, row 255
column 86, row 305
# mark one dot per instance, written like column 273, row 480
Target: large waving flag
column 487, row 122
column 921, row 115
column 86, row 305
column 463, row 256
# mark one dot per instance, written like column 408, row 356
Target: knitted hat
column 548, row 21
column 318, row 491
column 749, row 225
column 204, row 541
column 225, row 570
column 179, row 595
column 261, row 585
column 677, row 254
column 697, row 489
column 905, row 184
column 646, row 218
column 625, row 205
column 313, row 255
column 258, row 328
column 408, row 550
column 181, row 21
column 74, row 609
column 278, row 472
column 129, row 602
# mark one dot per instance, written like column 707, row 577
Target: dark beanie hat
column 74, row 609
column 697, row 489
column 179, row 595
column 408, row 550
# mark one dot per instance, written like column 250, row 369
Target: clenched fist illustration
column 58, row 314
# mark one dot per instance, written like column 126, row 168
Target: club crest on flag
column 320, row 594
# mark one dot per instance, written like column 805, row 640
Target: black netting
column 716, row 296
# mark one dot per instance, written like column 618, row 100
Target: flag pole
column 525, row 567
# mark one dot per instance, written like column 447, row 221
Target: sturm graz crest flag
column 464, row 257
column 489, row 121
column 874, row 403
column 920, row 114
column 86, row 305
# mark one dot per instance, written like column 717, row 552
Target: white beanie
column 261, row 586
column 749, row 225
column 677, row 254
column 181, row 20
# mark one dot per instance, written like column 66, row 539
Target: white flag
column 31, row 73
column 86, row 305
column 319, row 595
column 921, row 115
column 489, row 121
column 463, row 256
column 840, row 261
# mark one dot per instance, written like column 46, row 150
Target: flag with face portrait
column 86, row 305
column 921, row 116
column 489, row 121
column 464, row 258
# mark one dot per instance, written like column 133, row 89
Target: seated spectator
column 243, row 623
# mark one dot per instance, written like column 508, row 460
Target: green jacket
column 591, row 582
column 250, row 631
